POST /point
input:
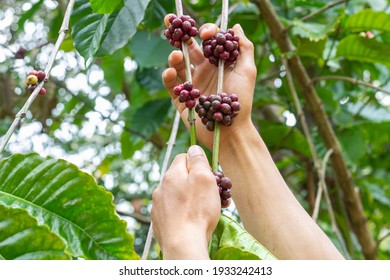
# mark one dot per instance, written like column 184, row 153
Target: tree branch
column 352, row 81
column 138, row 217
column 22, row 113
column 319, row 11
column 325, row 129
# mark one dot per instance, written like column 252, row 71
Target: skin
column 267, row 207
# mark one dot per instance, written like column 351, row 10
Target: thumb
column 197, row 159
column 246, row 61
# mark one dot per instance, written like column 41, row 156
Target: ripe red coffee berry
column 188, row 94
column 180, row 29
column 224, row 192
column 41, row 75
column 221, row 108
column 223, row 46
column 42, row 91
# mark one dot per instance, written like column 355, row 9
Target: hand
column 239, row 78
column 186, row 207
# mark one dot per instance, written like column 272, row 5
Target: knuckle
column 203, row 176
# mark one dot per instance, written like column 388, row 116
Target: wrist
column 185, row 245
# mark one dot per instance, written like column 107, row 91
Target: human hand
column 238, row 78
column 186, row 207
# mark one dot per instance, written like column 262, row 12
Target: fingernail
column 195, row 150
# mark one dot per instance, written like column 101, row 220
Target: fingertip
column 208, row 30
column 169, row 76
column 175, row 58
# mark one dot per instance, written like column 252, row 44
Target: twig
column 321, row 184
column 317, row 162
column 352, row 81
column 140, row 218
column 301, row 115
column 22, row 113
column 380, row 240
column 170, row 145
column 221, row 64
column 187, row 61
column 319, row 11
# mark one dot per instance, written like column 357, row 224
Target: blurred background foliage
column 106, row 109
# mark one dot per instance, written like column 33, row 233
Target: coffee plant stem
column 191, row 112
column 22, row 113
column 221, row 64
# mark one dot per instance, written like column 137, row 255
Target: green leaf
column 149, row 117
column 313, row 31
column 106, row 7
column 278, row 136
column 367, row 19
column 129, row 144
column 155, row 13
column 355, row 47
column 150, row 78
column 231, row 242
column 21, row 238
column 26, row 15
column 310, row 48
column 69, row 202
column 100, row 35
column 114, row 70
column 150, row 50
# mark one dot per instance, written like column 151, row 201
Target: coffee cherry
column 32, row 80
column 33, row 72
column 42, row 91
column 41, row 75
column 31, row 88
column 221, row 108
column 223, row 46
column 188, row 94
column 180, row 29
column 224, row 184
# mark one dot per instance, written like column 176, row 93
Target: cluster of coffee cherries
column 224, row 46
column 33, row 78
column 187, row 94
column 224, row 184
column 221, row 108
column 180, row 29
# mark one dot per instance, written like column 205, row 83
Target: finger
column 196, row 159
column 169, row 78
column 176, row 61
column 195, row 52
column 245, row 61
column 208, row 30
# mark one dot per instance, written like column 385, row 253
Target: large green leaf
column 106, row 7
column 355, row 47
column 21, row 238
column 100, row 35
column 150, row 50
column 367, row 19
column 69, row 202
column 231, row 242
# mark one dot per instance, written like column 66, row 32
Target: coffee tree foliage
column 93, row 145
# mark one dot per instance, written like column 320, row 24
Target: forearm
column 267, row 207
